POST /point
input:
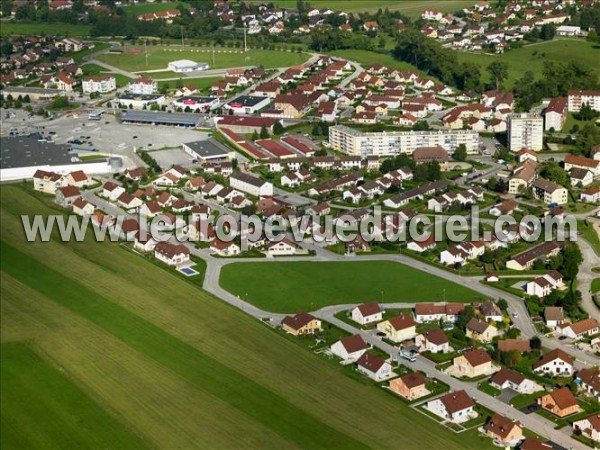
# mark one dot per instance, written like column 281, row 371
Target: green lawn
column 159, row 57
column 595, row 285
column 133, row 348
column 411, row 8
column 40, row 397
column 532, row 57
column 93, row 69
column 53, row 29
column 288, row 287
column 367, row 58
column 589, row 234
column 98, row 46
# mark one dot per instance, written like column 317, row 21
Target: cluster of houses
column 43, row 58
column 457, row 406
column 489, row 27
column 489, row 115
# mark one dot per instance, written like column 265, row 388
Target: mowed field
column 532, row 57
column 159, row 57
column 411, row 8
column 145, row 8
column 54, row 29
column 288, row 287
column 104, row 349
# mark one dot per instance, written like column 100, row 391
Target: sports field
column 288, row 287
column 53, row 29
column 532, row 57
column 104, row 349
column 159, row 57
column 411, row 8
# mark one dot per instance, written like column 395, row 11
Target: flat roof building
column 160, row 118
column 186, row 65
column 210, row 150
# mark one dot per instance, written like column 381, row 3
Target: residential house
column 591, row 195
column 82, row 207
column 543, row 285
column 490, row 311
column 225, row 248
column 66, row 195
column 560, row 402
column 171, row 254
column 434, row 341
column 301, row 324
column 554, row 363
column 504, row 430
column 580, row 329
column 112, row 191
column 47, row 182
column 514, row 345
column 481, row 331
column 588, row 427
column 456, row 407
column 374, row 367
column 525, row 260
column 553, row 316
column 144, row 242
column 367, row 313
column 410, row 386
column 350, row 348
column 589, row 381
column 472, row 364
column 284, row 247
column 511, row 379
column 398, row 328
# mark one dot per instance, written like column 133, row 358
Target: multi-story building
column 99, row 83
column 387, row 143
column 555, row 114
column 549, row 192
column 143, row 85
column 578, row 98
column 525, row 131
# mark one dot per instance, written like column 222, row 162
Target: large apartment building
column 578, row 98
column 388, row 143
column 99, row 83
column 525, row 131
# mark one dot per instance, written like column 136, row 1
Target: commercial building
column 195, row 103
column 525, row 131
column 33, row 92
column 245, row 125
column 99, row 83
column 186, row 65
column 208, row 151
column 22, row 156
column 356, row 142
column 160, row 118
column 141, row 101
column 246, row 104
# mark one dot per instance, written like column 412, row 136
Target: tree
column 264, row 133
column 502, row 304
column 498, row 71
column 467, row 314
column 535, row 343
column 548, row 31
column 255, row 136
column 460, row 154
column 278, row 128
column 572, row 258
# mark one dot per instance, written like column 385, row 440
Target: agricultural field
column 288, row 287
column 159, row 57
column 411, row 8
column 96, row 338
column 532, row 57
column 54, row 29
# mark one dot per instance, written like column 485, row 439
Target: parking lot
column 106, row 136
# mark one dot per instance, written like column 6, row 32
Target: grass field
column 98, row 46
column 145, row 8
column 532, row 57
column 159, row 57
column 54, row 29
column 411, row 8
column 595, row 285
column 93, row 69
column 367, row 58
column 103, row 339
column 288, row 287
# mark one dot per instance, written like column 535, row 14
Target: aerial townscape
column 238, row 224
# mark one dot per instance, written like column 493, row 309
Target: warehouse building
column 208, row 151
column 186, row 65
column 160, row 118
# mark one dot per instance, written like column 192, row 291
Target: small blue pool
column 188, row 271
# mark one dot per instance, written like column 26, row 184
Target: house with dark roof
column 510, row 379
column 410, row 386
column 350, row 348
column 367, row 313
column 374, row 367
column 301, row 324
column 434, row 341
column 555, row 363
column 456, row 407
column 480, row 331
column 504, row 430
column 171, row 254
